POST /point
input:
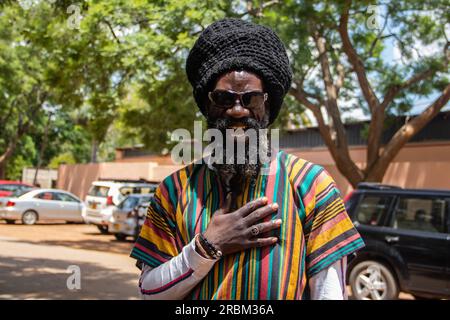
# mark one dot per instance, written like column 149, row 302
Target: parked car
column 128, row 218
column 15, row 194
column 407, row 236
column 8, row 187
column 104, row 196
column 42, row 204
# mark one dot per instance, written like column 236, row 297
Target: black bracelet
column 210, row 248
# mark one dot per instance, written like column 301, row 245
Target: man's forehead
column 239, row 78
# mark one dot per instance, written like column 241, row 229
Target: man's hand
column 235, row 231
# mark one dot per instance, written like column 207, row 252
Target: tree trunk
column 43, row 147
column 4, row 158
column 403, row 135
column 94, row 151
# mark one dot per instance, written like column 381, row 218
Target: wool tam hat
column 234, row 44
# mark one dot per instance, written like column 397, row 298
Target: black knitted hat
column 234, row 44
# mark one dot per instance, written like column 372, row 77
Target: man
column 224, row 230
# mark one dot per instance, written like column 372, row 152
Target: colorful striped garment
column 316, row 230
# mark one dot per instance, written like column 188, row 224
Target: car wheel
column 371, row 280
column 10, row 221
column 29, row 217
column 103, row 229
column 120, row 236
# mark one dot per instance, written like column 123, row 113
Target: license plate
column 116, row 226
column 93, row 206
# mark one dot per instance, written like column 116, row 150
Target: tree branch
column 331, row 102
column 430, row 72
column 112, row 30
column 405, row 133
column 355, row 60
column 341, row 77
column 301, row 96
column 374, row 42
column 341, row 156
column 257, row 12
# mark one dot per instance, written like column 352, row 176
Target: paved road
column 34, row 263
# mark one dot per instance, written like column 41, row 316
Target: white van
column 103, row 196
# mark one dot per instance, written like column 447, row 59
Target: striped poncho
column 316, row 230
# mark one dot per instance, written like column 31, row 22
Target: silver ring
column 255, row 231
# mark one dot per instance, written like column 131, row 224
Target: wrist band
column 201, row 249
column 210, row 248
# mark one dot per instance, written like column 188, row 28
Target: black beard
column 233, row 174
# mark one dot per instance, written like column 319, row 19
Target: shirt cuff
column 329, row 283
column 196, row 262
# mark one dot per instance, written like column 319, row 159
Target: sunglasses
column 227, row 99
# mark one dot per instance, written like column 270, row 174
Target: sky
column 392, row 53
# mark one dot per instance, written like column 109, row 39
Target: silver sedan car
column 42, row 204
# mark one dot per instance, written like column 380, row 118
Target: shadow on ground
column 77, row 236
column 113, row 246
column 28, row 278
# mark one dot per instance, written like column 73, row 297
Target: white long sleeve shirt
column 174, row 279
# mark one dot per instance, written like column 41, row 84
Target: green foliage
column 119, row 79
column 63, row 158
column 24, row 156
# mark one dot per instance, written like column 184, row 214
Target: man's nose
column 238, row 111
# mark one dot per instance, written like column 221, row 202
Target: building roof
column 436, row 130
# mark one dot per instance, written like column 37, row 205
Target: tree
column 48, row 67
column 22, row 83
column 337, row 58
column 122, row 70
column 338, row 63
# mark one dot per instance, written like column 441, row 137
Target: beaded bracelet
column 210, row 248
column 201, row 249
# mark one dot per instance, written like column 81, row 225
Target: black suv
column 407, row 236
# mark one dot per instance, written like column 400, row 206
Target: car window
column 21, row 191
column 420, row 214
column 130, row 190
column 99, row 191
column 351, row 201
column 145, row 200
column 150, row 189
column 9, row 187
column 65, row 197
column 45, row 196
column 129, row 203
column 137, row 190
column 372, row 209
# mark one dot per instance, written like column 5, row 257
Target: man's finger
column 261, row 242
column 252, row 206
column 260, row 213
column 264, row 227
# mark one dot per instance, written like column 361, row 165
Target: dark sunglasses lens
column 223, row 98
column 253, row 99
